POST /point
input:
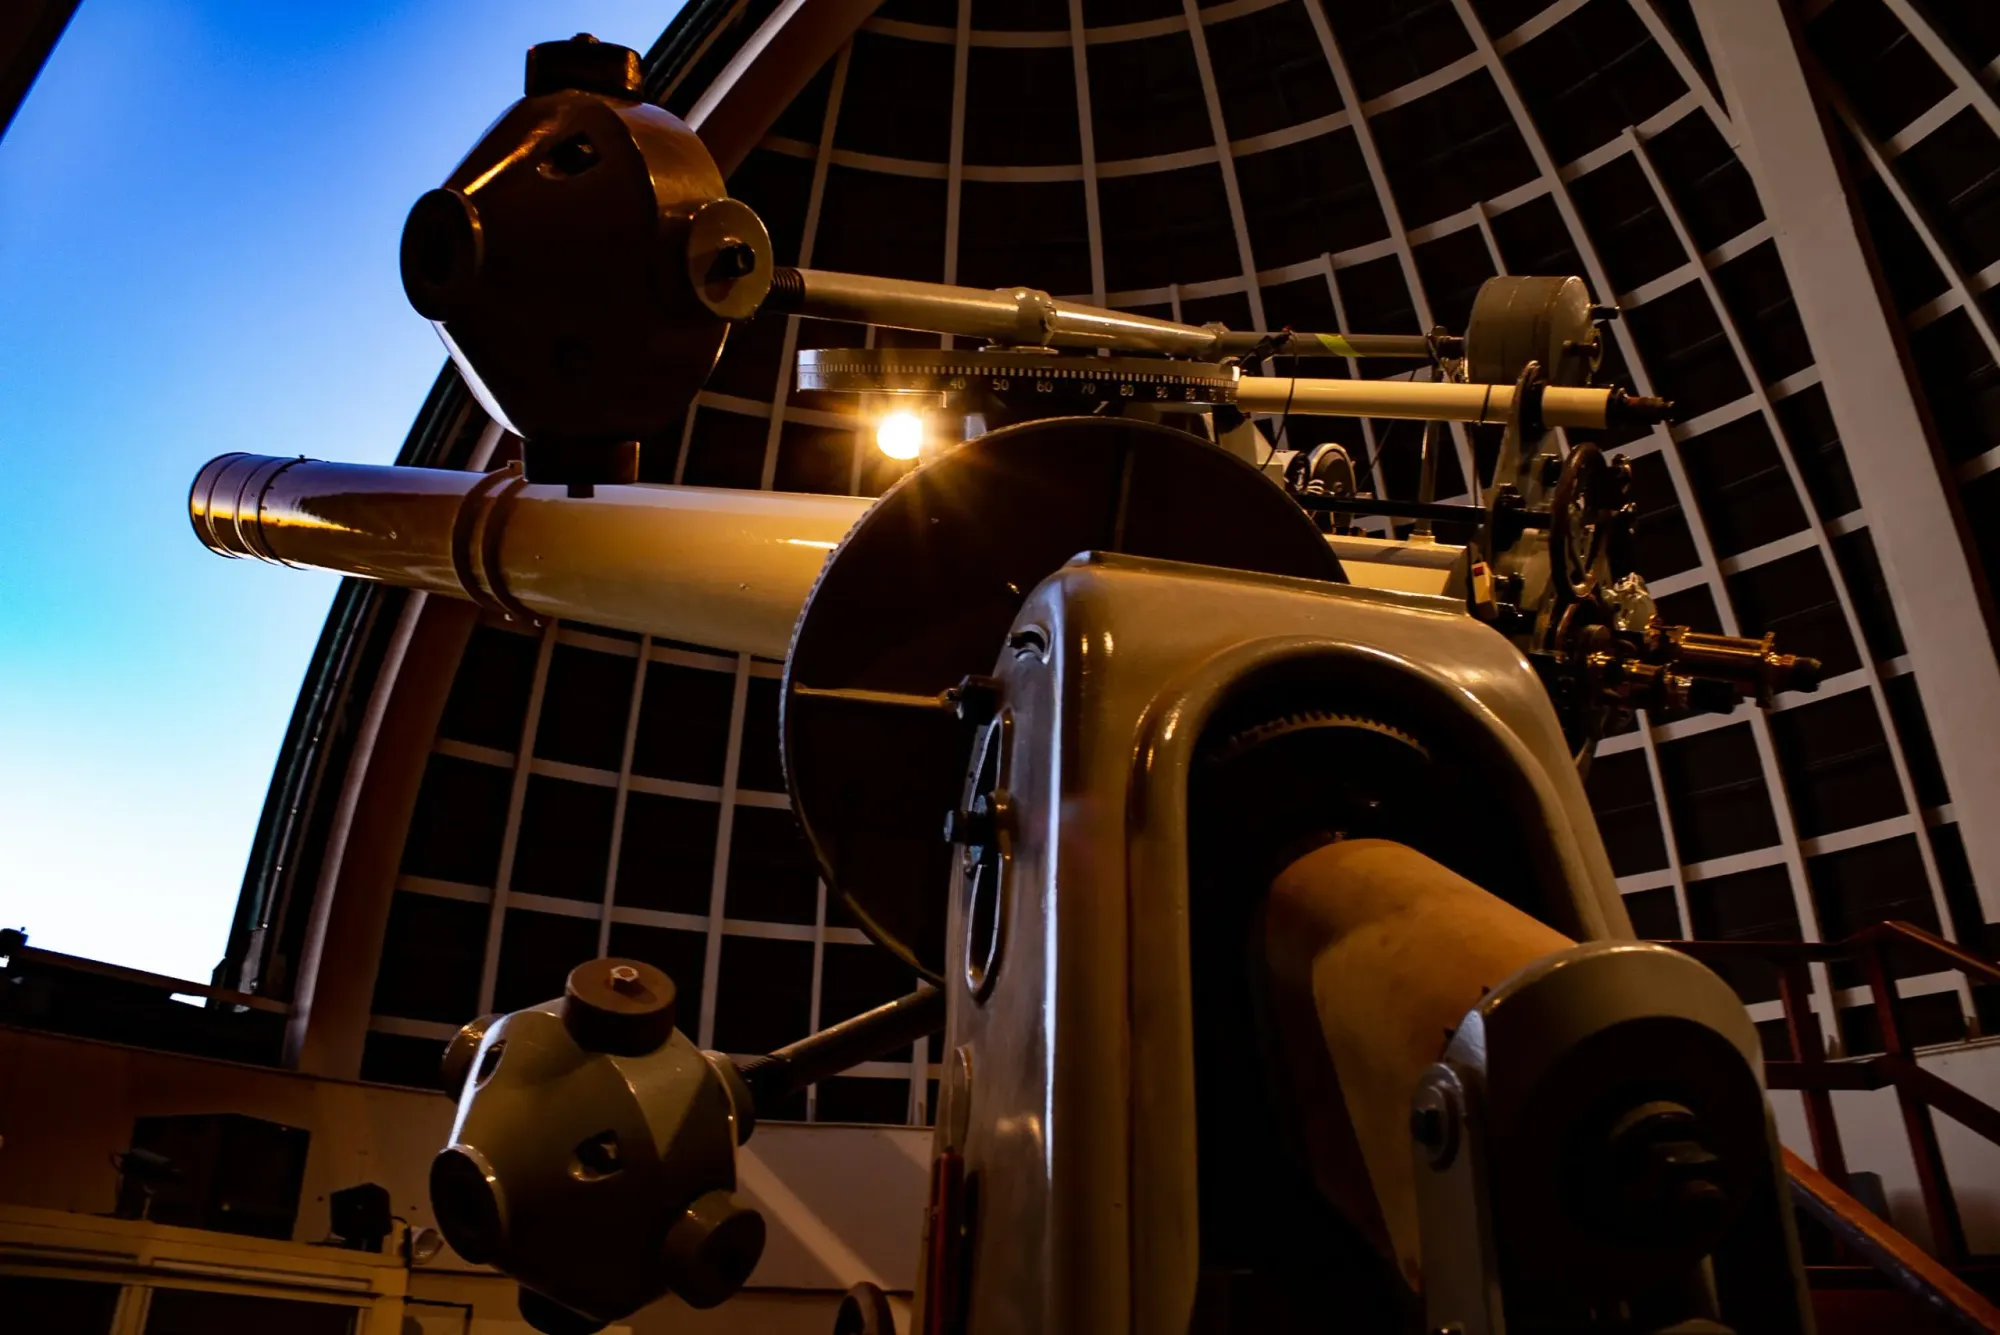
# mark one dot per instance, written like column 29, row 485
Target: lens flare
column 900, row 435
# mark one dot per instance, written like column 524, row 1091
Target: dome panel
column 1392, row 43
column 772, row 875
column 815, row 459
column 1002, row 15
column 1270, row 71
column 1308, row 199
column 725, row 448
column 584, row 707
column 1794, row 596
column 1146, row 99
column 1167, row 227
column 1227, row 308
column 1869, row 51
column 1759, row 300
column 779, row 186
column 1689, row 351
column 1453, row 267
column 1501, row 17
column 666, row 856
column 1451, row 148
column 1020, row 107
column 564, row 839
column 1033, row 232
column 897, row 100
column 1972, row 25
column 430, row 959
column 1590, row 75
column 1740, row 484
column 879, row 223
column 1635, row 238
column 1117, row 13
column 1532, row 238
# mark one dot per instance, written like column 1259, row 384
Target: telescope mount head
column 583, row 264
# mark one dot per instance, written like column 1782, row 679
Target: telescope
column 1244, row 853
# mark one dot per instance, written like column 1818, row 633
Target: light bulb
column 900, row 435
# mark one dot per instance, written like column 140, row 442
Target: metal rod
column 1017, row 317
column 1933, row 1178
column 1440, row 512
column 1809, row 1050
column 1443, row 401
column 893, row 699
column 892, row 1025
column 1292, row 343
column 1029, row 318
column 1427, row 472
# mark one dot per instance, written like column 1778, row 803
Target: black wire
column 1285, row 419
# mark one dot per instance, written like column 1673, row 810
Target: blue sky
column 199, row 212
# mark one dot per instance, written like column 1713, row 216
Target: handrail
column 1918, row 1091
column 1888, row 1250
column 1875, row 934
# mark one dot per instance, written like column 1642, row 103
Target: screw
column 975, row 700
column 1434, row 1124
column 733, row 259
column 1427, row 1127
column 973, row 828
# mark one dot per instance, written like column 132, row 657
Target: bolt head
column 734, row 258
column 976, row 700
column 1434, row 1123
column 1427, row 1127
column 624, row 1007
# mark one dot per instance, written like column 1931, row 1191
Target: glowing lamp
column 900, row 434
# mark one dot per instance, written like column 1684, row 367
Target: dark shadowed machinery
column 1245, row 852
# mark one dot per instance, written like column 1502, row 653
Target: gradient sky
column 199, row 212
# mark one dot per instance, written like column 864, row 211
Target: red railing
column 1918, row 1091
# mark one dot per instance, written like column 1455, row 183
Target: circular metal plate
column 922, row 593
column 1062, row 383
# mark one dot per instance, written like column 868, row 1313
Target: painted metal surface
column 716, row 567
column 1070, row 1087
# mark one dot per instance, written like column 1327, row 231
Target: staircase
column 1871, row 1277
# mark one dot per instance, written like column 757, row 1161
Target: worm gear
column 1291, row 782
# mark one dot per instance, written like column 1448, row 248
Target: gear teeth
column 1250, row 738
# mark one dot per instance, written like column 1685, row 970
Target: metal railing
column 1822, row 1192
column 1918, row 1092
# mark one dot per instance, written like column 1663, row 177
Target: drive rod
column 1443, row 401
column 871, row 1034
column 1027, row 318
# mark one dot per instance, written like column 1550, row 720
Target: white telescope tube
column 1441, row 401
column 724, row 568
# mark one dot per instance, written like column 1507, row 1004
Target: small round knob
column 624, row 1007
column 458, row 1053
column 584, row 64
column 711, row 1250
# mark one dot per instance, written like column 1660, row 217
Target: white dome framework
column 465, row 809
